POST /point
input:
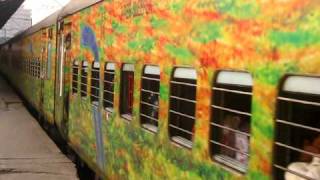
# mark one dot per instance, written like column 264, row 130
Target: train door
column 61, row 89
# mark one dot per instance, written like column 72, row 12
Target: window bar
column 151, row 92
column 230, row 129
column 299, row 101
column 109, row 82
column 298, row 125
column 230, row 110
column 151, row 79
column 183, row 99
column 297, row 149
column 108, row 101
column 109, row 72
column 148, row 104
column 180, row 129
column 149, row 117
column 292, row 172
column 110, row 92
column 228, row 147
column 232, row 91
column 181, row 114
column 182, row 83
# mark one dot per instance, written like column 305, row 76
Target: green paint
column 176, row 7
column 299, row 38
column 239, row 9
column 259, row 116
column 180, row 53
column 206, row 33
column 268, row 74
column 157, row 22
column 119, row 28
column 110, row 40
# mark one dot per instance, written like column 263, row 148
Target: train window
column 108, row 91
column 95, row 81
column 75, row 71
column 297, row 142
column 182, row 106
column 84, row 80
column 126, row 91
column 149, row 104
column 231, row 116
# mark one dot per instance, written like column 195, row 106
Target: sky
column 43, row 8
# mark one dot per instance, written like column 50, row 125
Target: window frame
column 303, row 92
column 150, row 127
column 130, row 68
column 74, row 84
column 84, row 79
column 95, row 90
column 175, row 139
column 107, row 72
column 216, row 121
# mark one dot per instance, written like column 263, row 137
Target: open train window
column 231, row 115
column 75, row 71
column 126, row 91
column 108, row 91
column 84, row 80
column 297, row 144
column 149, row 103
column 95, row 81
column 182, row 106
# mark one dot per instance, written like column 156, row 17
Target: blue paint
column 88, row 40
column 97, row 118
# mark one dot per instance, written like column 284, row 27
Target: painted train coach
column 197, row 89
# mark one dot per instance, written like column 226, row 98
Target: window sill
column 181, row 141
column 127, row 117
column 108, row 109
column 150, row 127
column 95, row 103
column 230, row 163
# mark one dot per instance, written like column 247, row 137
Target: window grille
column 75, row 71
column 231, row 115
column 149, row 104
column 108, row 91
column 126, row 92
column 84, row 80
column 32, row 68
column 297, row 128
column 182, row 106
column 95, row 81
column 28, row 67
column 37, row 68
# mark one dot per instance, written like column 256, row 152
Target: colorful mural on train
column 266, row 38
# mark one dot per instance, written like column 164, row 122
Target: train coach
column 199, row 89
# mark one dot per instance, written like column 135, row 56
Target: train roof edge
column 72, row 7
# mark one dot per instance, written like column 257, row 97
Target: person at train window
column 308, row 165
column 228, row 137
column 242, row 143
column 153, row 99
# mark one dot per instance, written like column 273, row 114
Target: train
column 197, row 89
